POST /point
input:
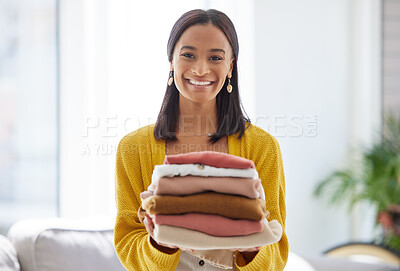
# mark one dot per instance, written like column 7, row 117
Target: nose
column 200, row 68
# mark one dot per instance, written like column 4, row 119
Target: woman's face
column 202, row 61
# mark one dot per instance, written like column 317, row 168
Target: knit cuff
column 259, row 261
column 161, row 258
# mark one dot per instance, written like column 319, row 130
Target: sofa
column 57, row 244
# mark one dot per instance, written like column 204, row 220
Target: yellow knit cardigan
column 138, row 153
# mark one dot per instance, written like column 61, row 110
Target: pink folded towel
column 215, row 225
column 210, row 158
column 186, row 185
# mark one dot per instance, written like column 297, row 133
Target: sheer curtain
column 28, row 110
column 114, row 71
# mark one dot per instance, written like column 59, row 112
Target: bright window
column 28, row 110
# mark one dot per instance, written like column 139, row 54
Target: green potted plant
column 374, row 180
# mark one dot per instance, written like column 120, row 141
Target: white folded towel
column 200, row 170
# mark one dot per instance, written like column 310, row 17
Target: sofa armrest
column 65, row 245
column 8, row 256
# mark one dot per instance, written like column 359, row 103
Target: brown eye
column 187, row 55
column 216, row 58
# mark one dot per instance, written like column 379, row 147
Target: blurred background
column 77, row 75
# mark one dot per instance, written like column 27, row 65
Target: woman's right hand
column 169, row 249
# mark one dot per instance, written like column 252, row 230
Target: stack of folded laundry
column 208, row 201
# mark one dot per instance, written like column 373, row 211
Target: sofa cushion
column 8, row 255
column 324, row 263
column 65, row 245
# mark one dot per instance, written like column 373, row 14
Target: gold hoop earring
column 229, row 86
column 171, row 78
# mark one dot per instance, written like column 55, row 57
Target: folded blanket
column 215, row 225
column 230, row 206
column 200, row 170
column 191, row 239
column 177, row 186
column 210, row 158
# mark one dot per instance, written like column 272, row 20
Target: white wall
column 317, row 89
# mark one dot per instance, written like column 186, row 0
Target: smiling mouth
column 199, row 83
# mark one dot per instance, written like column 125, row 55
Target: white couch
column 60, row 244
column 87, row 245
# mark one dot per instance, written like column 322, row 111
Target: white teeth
column 199, row 83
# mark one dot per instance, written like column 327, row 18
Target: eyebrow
column 194, row 48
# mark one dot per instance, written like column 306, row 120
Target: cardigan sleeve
column 131, row 240
column 264, row 150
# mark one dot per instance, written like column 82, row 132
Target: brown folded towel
column 236, row 207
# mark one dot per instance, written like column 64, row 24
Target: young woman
column 201, row 111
